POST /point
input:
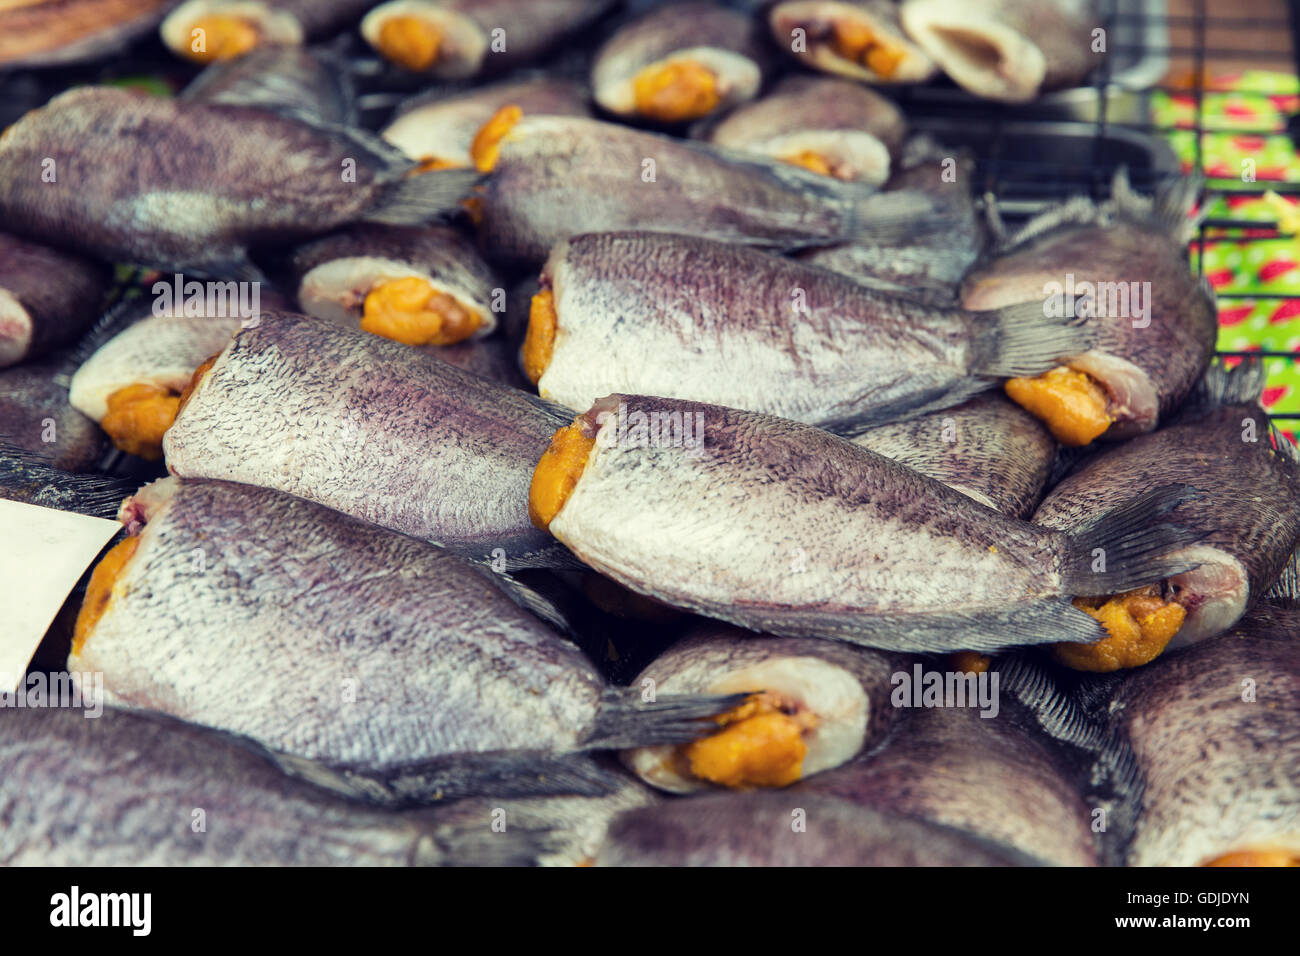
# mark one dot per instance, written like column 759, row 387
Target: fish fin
column 1169, row 212
column 466, row 844
column 1074, row 212
column 1285, row 447
column 413, row 200
column 1243, row 384
column 625, row 720
column 545, row 596
column 1020, row 340
column 1285, row 591
column 502, row 773
column 1055, row 711
column 92, row 494
column 1132, row 544
column 993, row 221
column 262, row 87
column 905, row 217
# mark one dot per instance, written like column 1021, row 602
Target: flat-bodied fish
column 860, row 39
column 810, row 706
column 1216, row 733
column 785, row 528
column 988, row 448
column 209, row 30
column 372, row 428
column 1009, row 49
column 711, row 321
column 557, row 176
column 1248, row 513
column 455, row 39
column 832, row 127
column 48, row 298
column 188, row 186
column 788, row 829
column 1155, row 323
column 404, row 672
column 126, row 789
column 37, row 33
column 679, row 62
column 438, row 128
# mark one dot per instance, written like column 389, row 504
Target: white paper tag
column 43, row 553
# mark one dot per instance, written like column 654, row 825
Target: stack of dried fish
column 631, row 449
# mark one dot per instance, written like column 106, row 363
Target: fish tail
column 92, row 494
column 467, row 844
column 1022, row 340
column 904, row 217
column 1128, row 546
column 1285, row 591
column 413, row 200
column 1243, row 384
column 626, row 720
column 1169, row 212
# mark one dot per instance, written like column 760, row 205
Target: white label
column 43, row 553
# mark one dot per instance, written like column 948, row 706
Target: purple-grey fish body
column 38, row 418
column 784, row 528
column 372, row 428
column 39, row 33
column 48, row 298
column 1248, row 509
column 988, row 448
column 186, row 185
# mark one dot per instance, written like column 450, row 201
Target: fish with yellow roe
column 861, row 40
column 679, row 63
column 208, row 31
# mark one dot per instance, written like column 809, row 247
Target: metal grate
column 1071, row 143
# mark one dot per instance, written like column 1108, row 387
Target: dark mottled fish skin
column 47, row 298
column 34, row 406
column 785, row 528
column 1024, row 47
column 187, row 186
column 929, row 267
column 816, row 18
column 1146, row 371
column 122, row 789
column 989, row 448
column 442, row 125
column 394, row 664
column 1248, row 511
column 559, row 176
column 315, row 84
column 759, row 829
column 837, row 118
column 32, row 479
column 63, row 32
column 990, row 776
column 726, row 41
column 372, row 428
column 685, row 317
column 1220, row 772
column 846, row 688
column 333, row 274
column 531, row 28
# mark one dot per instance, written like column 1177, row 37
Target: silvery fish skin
column 183, row 185
column 276, row 22
column 126, row 789
column 372, row 428
column 846, row 689
column 988, row 448
column 281, row 78
column 807, row 30
column 762, row 522
column 1008, row 49
column 396, row 665
column 721, row 323
column 559, row 176
column 32, row 479
column 441, row 126
column 1146, row 364
column 37, row 417
column 48, row 298
column 62, row 32
column 479, row 36
column 334, row 274
column 990, row 776
column 930, row 266
column 1249, row 512
column 1214, row 729
column 855, row 130
column 724, row 42
column 782, row 828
